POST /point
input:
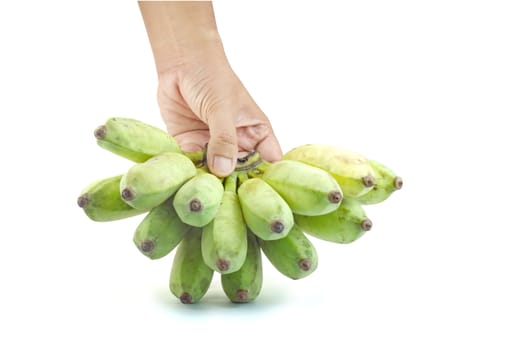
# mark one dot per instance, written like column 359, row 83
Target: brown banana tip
column 223, row 265
column 369, row 181
column 147, row 246
column 305, row 264
column 241, row 296
column 186, row 298
column 195, row 205
column 83, row 200
column 127, row 194
column 335, row 197
column 100, row 132
column 398, row 182
column 366, row 224
column 277, row 226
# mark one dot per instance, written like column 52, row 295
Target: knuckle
column 258, row 131
column 224, row 139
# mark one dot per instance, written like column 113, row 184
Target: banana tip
column 100, row 132
column 223, row 265
column 83, row 200
column 277, row 226
column 241, row 296
column 366, row 224
column 186, row 298
column 335, row 197
column 369, row 181
column 147, row 246
column 305, row 264
column 195, row 205
column 127, row 194
column 398, row 183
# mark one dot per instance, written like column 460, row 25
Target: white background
column 433, row 89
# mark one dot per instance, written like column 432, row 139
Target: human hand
column 201, row 99
column 202, row 102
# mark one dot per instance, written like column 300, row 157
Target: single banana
column 147, row 185
column 190, row 277
column 386, row 183
column 307, row 190
column 224, row 242
column 344, row 225
column 266, row 213
column 133, row 139
column 160, row 231
column 294, row 256
column 245, row 284
column 101, row 201
column 351, row 170
column 198, row 200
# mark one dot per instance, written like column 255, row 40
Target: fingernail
column 222, row 165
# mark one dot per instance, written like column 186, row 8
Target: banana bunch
column 225, row 225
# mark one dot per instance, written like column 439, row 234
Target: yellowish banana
column 198, row 200
column 351, row 170
column 386, row 183
column 147, row 185
column 101, row 201
column 308, row 190
column 266, row 213
column 294, row 256
column 344, row 225
column 160, row 231
column 224, row 242
column 190, row 277
column 133, row 139
column 245, row 284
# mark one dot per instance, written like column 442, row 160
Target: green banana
column 147, row 185
column 245, row 284
column 266, row 213
column 160, row 231
column 133, row 139
column 101, row 201
column 198, row 200
column 224, row 242
column 307, row 190
column 344, row 225
column 294, row 256
column 386, row 183
column 351, row 170
column 190, row 277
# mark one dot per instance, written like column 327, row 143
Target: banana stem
column 243, row 176
column 230, row 184
column 252, row 165
column 259, row 169
column 198, row 158
column 249, row 161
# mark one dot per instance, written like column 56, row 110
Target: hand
column 201, row 99
column 202, row 102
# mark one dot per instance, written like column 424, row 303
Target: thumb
column 222, row 147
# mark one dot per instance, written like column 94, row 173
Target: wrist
column 180, row 31
column 185, row 55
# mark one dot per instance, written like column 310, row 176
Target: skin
column 201, row 99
